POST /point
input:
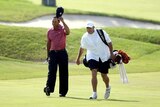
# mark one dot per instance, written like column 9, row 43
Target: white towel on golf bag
column 123, row 74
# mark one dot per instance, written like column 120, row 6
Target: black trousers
column 58, row 58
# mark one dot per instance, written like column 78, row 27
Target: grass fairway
column 142, row 91
column 141, row 9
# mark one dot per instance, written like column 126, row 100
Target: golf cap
column 59, row 11
column 90, row 24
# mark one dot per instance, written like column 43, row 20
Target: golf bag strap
column 101, row 35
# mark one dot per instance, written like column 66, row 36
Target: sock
column 94, row 93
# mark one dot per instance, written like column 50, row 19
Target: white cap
column 90, row 24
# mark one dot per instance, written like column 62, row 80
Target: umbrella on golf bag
column 123, row 73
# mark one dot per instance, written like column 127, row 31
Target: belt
column 59, row 50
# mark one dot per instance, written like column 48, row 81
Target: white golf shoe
column 94, row 96
column 107, row 93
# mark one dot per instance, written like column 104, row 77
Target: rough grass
column 23, row 43
column 30, row 43
column 22, row 10
column 144, row 35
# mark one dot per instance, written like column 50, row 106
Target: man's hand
column 61, row 19
column 65, row 25
column 113, row 57
column 47, row 59
column 78, row 62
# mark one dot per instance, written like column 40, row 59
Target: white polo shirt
column 95, row 47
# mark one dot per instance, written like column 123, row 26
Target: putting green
column 142, row 91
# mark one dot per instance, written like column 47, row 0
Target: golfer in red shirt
column 57, row 56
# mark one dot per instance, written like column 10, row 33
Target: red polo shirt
column 57, row 38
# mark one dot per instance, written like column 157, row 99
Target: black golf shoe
column 61, row 95
column 47, row 91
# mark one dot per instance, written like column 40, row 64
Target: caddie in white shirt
column 97, row 56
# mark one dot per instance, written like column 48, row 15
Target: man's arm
column 65, row 26
column 81, row 50
column 111, row 50
column 48, row 48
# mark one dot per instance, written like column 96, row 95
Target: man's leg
column 94, row 84
column 51, row 76
column 105, row 79
column 93, row 65
column 94, row 80
column 63, row 79
column 108, row 88
column 63, row 74
column 52, row 71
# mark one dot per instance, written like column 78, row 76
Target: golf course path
column 79, row 21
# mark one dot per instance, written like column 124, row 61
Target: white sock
column 94, row 93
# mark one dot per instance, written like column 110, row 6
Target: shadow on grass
column 123, row 100
column 116, row 100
